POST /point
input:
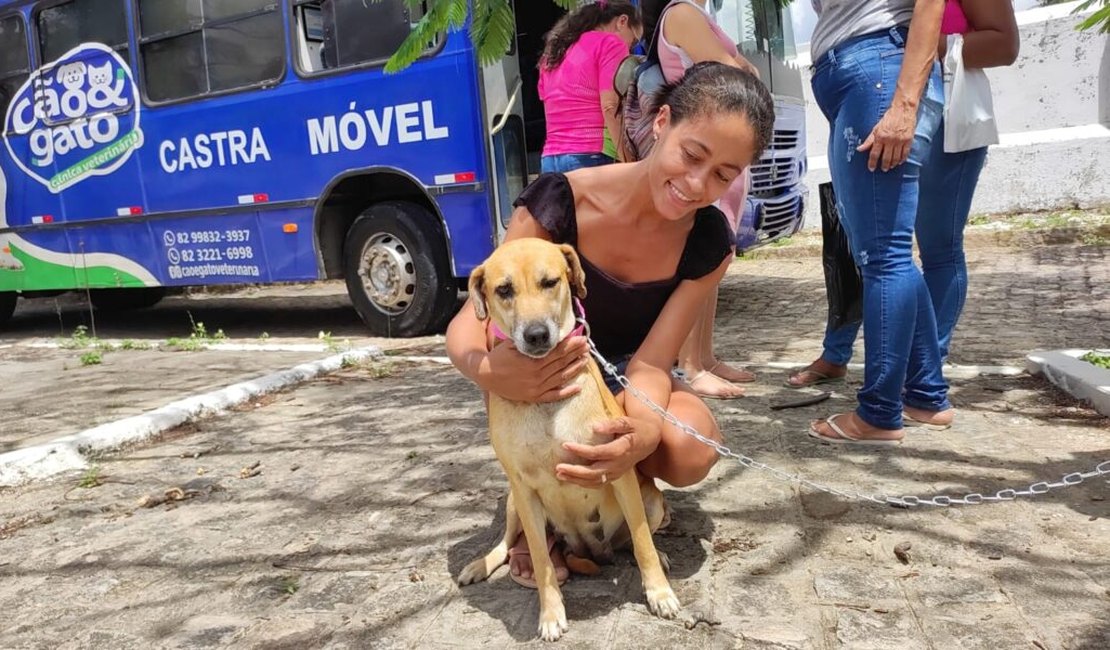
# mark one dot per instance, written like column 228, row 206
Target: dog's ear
column 575, row 274
column 478, row 292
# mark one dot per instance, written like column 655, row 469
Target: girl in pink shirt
column 581, row 57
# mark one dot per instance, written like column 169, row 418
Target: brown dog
column 525, row 287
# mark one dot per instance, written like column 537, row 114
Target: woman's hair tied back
column 711, row 88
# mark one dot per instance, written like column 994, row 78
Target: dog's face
column 526, row 288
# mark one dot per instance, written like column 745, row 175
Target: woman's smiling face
column 694, row 161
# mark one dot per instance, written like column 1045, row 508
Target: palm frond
column 492, row 27
column 1099, row 20
column 442, row 15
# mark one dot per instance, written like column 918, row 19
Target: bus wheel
column 395, row 265
column 7, row 305
column 125, row 299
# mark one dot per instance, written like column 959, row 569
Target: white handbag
column 968, row 108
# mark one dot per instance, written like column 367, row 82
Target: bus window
column 192, row 48
column 335, row 34
column 64, row 26
column 14, row 59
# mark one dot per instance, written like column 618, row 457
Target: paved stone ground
column 377, row 485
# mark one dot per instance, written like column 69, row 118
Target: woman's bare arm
column 995, row 41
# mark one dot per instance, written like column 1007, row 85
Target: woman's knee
column 689, row 460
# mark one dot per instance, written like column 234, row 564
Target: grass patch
column 79, row 340
column 1097, row 359
column 91, row 478
column 380, row 369
column 92, row 358
column 1094, row 239
column 289, row 585
column 331, row 345
column 199, row 338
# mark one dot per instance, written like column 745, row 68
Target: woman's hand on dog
column 508, row 373
column 633, row 441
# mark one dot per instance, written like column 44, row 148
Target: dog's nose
column 536, row 335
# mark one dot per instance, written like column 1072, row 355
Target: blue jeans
column 948, row 183
column 566, row 162
column 854, row 85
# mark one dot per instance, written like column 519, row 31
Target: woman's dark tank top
column 621, row 314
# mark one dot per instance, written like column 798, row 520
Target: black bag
column 843, row 284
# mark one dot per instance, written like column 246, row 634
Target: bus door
column 502, row 91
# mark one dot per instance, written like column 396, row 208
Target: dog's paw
column 553, row 623
column 662, row 602
column 474, row 572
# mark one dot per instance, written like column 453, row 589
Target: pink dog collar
column 577, row 331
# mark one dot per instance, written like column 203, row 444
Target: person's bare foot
column 933, row 419
column 818, row 372
column 728, row 373
column 707, row 384
column 520, row 562
column 849, row 428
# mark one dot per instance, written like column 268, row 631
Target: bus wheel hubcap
column 388, row 273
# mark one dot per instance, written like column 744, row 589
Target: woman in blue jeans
column 947, row 185
column 877, row 82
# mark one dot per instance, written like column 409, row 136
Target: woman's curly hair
column 589, row 17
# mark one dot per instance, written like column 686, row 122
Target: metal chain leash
column 974, row 498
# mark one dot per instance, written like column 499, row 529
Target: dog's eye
column 549, row 283
column 504, row 291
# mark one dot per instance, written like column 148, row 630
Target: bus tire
column 397, row 272
column 7, row 306
column 126, row 299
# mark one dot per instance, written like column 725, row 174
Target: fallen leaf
column 902, row 552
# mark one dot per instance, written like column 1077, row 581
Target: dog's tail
column 582, row 566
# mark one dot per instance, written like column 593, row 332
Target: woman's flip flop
column 844, row 439
column 909, row 421
column 818, row 378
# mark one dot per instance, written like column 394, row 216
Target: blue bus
column 157, row 144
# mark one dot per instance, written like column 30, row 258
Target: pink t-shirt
column 571, row 93
column 954, row 21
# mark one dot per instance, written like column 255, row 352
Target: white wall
column 1053, row 108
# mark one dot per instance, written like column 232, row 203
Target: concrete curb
column 68, row 452
column 1080, row 379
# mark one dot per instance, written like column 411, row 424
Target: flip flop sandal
column 703, row 373
column 844, row 439
column 908, row 421
column 530, row 583
column 736, row 381
column 821, row 378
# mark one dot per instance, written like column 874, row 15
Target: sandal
column 530, row 582
column 705, row 373
column 910, row 421
column 844, row 439
column 810, row 377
